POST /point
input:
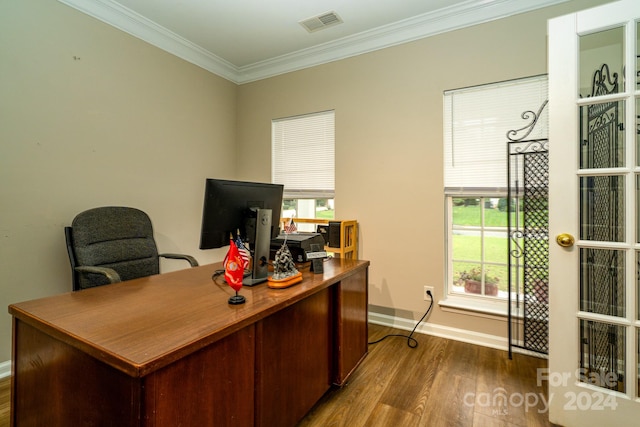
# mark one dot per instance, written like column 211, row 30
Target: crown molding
column 462, row 15
column 448, row 19
column 130, row 22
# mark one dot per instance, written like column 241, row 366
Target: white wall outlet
column 424, row 294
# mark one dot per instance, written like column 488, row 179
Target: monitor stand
column 261, row 247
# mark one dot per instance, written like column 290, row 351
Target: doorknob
column 565, row 240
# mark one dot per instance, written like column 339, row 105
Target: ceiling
column 247, row 40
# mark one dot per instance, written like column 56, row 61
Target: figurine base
column 284, row 283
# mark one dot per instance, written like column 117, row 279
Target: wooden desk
column 168, row 350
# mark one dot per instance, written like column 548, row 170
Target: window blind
column 303, row 155
column 476, row 122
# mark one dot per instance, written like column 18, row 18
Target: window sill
column 471, row 306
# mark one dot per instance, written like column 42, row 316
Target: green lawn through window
column 467, row 213
column 464, row 247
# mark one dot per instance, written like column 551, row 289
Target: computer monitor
column 252, row 208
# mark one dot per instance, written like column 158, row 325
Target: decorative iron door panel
column 528, row 237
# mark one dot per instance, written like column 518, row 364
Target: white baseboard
column 441, row 331
column 5, row 369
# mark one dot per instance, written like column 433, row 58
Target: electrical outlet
column 424, row 294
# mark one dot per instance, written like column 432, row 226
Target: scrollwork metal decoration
column 517, row 249
column 604, row 82
column 512, row 135
column 528, row 230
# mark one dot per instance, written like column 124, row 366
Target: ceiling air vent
column 321, row 21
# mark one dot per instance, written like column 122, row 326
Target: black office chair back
column 72, row 258
column 116, row 237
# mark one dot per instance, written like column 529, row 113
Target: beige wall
column 389, row 167
column 126, row 124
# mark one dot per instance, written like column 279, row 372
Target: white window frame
column 483, row 183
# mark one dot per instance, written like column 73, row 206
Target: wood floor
column 440, row 383
column 5, row 396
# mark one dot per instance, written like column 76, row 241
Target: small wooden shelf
column 348, row 235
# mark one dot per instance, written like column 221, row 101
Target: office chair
column 112, row 244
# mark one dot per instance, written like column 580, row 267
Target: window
column 302, row 158
column 476, row 122
column 479, row 245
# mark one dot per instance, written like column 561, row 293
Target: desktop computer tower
column 258, row 227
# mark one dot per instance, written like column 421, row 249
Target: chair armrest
column 109, row 273
column 189, row 258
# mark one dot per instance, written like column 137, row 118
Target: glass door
column 594, row 184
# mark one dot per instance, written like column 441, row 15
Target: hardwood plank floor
column 5, row 401
column 440, row 383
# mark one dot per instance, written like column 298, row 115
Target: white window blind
column 303, row 155
column 476, row 122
